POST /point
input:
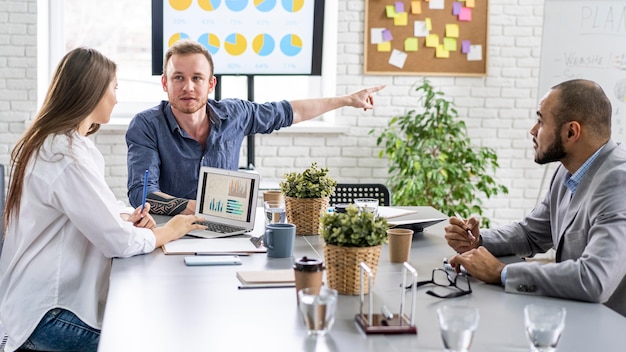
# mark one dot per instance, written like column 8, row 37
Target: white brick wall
column 18, row 71
column 499, row 108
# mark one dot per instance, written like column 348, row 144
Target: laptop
column 227, row 200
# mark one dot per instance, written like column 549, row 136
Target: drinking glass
column 367, row 204
column 544, row 325
column 275, row 212
column 457, row 325
column 318, row 309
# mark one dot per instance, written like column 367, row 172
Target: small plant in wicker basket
column 307, row 197
column 351, row 238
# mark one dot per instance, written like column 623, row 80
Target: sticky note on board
column 416, row 7
column 390, row 10
column 470, row 3
column 376, row 35
column 475, row 53
column 411, row 44
column 399, row 6
column 401, row 19
column 387, row 36
column 420, row 29
column 452, row 30
column 449, row 44
column 465, row 46
column 436, row 4
column 441, row 52
column 397, row 58
column 384, row 47
column 432, row 41
column 456, row 8
column 429, row 23
column 466, row 14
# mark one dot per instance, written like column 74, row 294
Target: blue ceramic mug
column 279, row 239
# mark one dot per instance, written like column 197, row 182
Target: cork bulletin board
column 421, row 37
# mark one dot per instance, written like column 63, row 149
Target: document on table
column 191, row 246
column 392, row 212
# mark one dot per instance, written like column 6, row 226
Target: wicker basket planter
column 305, row 213
column 342, row 267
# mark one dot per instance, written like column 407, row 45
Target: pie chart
column 293, row 5
column 265, row 5
column 291, row 45
column 180, row 4
column 236, row 5
column 176, row 37
column 211, row 42
column 263, row 44
column 235, row 44
column 209, row 5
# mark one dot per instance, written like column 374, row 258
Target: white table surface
column 156, row 303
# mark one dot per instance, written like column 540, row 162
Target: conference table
column 156, row 303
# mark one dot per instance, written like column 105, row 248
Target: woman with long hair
column 62, row 223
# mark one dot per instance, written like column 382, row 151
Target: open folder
column 191, row 246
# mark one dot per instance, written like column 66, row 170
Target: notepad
column 190, row 246
column 265, row 277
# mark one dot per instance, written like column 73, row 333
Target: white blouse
column 57, row 252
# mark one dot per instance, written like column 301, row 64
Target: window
column 121, row 30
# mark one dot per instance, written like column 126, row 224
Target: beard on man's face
column 553, row 152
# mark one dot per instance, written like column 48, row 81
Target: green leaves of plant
column 432, row 161
column 311, row 183
column 353, row 229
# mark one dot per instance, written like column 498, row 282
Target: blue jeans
column 61, row 330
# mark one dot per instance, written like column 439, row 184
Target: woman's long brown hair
column 79, row 83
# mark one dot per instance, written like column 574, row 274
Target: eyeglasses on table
column 441, row 278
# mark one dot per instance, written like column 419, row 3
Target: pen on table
column 469, row 232
column 241, row 254
column 145, row 191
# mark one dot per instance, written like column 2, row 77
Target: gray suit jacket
column 589, row 238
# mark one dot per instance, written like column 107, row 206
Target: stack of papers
column 416, row 220
column 266, row 278
column 391, row 212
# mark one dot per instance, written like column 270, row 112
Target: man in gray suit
column 582, row 217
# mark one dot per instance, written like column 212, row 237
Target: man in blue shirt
column 174, row 139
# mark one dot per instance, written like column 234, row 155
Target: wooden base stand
column 382, row 325
column 386, row 323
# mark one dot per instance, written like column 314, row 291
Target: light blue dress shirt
column 156, row 143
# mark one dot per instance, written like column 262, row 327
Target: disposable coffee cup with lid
column 308, row 273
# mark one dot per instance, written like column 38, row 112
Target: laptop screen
column 226, row 196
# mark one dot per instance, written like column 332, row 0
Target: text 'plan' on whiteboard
column 587, row 39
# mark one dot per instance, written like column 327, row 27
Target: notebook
column 227, row 201
column 266, row 278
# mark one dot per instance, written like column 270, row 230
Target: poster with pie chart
column 245, row 37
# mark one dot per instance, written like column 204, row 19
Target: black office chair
column 347, row 192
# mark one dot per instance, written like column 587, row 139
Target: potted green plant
column 349, row 239
column 432, row 161
column 307, row 197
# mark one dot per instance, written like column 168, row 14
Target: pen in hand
column 472, row 238
column 145, row 192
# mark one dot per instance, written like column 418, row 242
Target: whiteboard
column 587, row 39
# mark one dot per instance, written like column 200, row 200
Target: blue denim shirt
column 156, row 143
